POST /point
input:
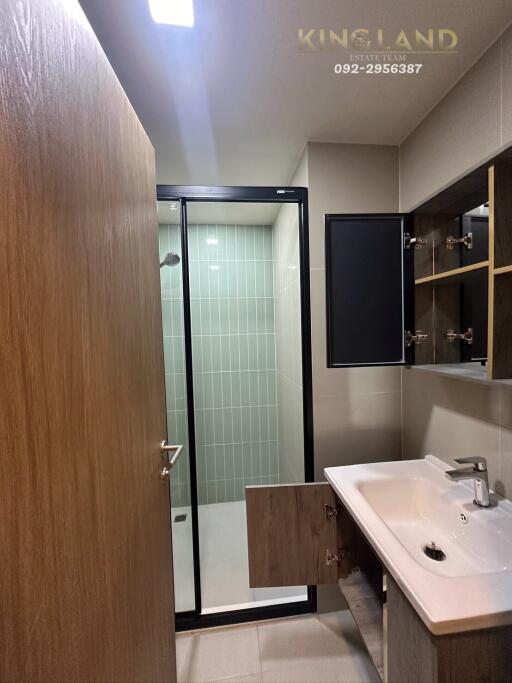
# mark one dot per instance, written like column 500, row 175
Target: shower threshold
column 224, row 563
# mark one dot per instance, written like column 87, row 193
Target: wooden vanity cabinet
column 415, row 655
column 302, row 535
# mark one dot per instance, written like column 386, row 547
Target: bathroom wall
column 288, row 338
column 357, row 411
column 233, row 347
column 471, row 124
column 452, row 418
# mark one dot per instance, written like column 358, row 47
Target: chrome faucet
column 478, row 472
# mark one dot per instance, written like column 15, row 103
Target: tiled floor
column 310, row 649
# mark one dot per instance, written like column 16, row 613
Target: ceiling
column 233, row 101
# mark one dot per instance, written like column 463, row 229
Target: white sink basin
column 404, row 506
column 419, row 511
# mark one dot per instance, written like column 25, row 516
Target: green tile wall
column 234, row 357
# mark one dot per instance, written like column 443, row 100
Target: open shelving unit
column 463, row 293
column 366, row 606
column 452, row 274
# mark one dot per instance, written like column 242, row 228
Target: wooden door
column 293, row 537
column 86, row 573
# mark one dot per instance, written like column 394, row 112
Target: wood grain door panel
column 86, row 580
column 289, row 535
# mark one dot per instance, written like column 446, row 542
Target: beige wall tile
column 504, row 484
column 505, row 416
column 461, row 132
column 357, row 411
column 348, row 179
column 476, row 400
column 506, row 55
column 356, row 428
column 450, row 419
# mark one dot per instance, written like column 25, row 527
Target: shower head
column 170, row 259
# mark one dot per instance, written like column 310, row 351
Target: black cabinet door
column 370, row 289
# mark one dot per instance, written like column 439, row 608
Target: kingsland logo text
column 427, row 40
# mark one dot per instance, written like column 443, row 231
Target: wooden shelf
column 367, row 610
column 503, row 270
column 450, row 274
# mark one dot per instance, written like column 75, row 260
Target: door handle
column 167, row 449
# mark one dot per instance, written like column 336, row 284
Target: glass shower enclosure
column 235, row 306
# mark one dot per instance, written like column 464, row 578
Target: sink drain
column 431, row 550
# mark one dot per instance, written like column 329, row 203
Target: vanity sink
column 422, row 514
column 452, row 558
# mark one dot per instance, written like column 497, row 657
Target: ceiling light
column 214, row 267
column 173, row 12
column 212, row 240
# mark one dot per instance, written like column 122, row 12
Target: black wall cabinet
column 370, row 289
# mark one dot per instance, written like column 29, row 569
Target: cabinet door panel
column 289, row 535
column 368, row 273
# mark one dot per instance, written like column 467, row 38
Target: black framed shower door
column 185, row 197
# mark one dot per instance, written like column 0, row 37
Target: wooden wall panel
column 86, row 584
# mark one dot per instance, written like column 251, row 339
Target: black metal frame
column 407, row 286
column 297, row 195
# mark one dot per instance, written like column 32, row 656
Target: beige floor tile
column 288, row 642
column 355, row 668
column 250, row 678
column 213, row 655
column 308, row 671
column 322, row 648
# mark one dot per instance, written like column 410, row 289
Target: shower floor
column 224, row 563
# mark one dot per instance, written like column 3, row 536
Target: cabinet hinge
column 335, row 558
column 466, row 336
column 414, row 242
column 330, row 511
column 417, row 338
column 465, row 241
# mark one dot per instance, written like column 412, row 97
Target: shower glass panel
column 171, row 279
column 245, row 305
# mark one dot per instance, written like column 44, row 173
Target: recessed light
column 214, row 267
column 212, row 241
column 172, row 12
